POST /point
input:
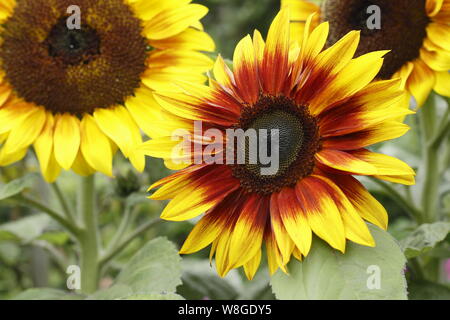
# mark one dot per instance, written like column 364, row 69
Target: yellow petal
column 439, row 33
column 356, row 75
column 44, row 151
column 386, row 165
column 435, row 57
column 203, row 234
column 345, row 162
column 81, row 167
column 173, row 21
column 7, row 158
column 294, row 220
column 442, row 85
column 247, row 236
column 189, row 39
column 339, row 55
column 355, row 228
column 245, row 71
column 118, row 125
column 252, row 265
column 66, row 139
column 323, row 216
column 433, row 7
column 366, row 205
column 421, row 82
column 95, row 146
column 276, row 53
column 25, row 132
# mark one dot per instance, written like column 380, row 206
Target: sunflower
column 327, row 112
column 416, row 31
column 77, row 94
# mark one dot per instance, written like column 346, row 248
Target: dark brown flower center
column 402, row 29
column 73, row 70
column 72, row 47
column 297, row 140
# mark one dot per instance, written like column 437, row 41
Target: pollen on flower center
column 298, row 139
column 403, row 28
column 74, row 71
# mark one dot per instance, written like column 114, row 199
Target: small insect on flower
column 417, row 32
column 326, row 110
column 77, row 93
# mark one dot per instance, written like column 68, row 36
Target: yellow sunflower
column 416, row 31
column 327, row 112
column 77, row 94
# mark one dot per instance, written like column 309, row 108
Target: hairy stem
column 63, row 202
column 53, row 214
column 128, row 239
column 89, row 239
column 430, row 151
column 124, row 223
column 397, row 196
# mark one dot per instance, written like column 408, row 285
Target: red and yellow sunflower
column 327, row 111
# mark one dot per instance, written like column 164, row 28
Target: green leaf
column 9, row 252
column 424, row 238
column 200, row 281
column 117, row 291
column 328, row 274
column 6, row 235
column 46, row 294
column 17, row 186
column 57, row 238
column 154, row 296
column 25, row 229
column 426, row 290
column 258, row 288
column 154, row 269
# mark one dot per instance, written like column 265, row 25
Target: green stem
column 397, row 196
column 124, row 223
column 89, row 239
column 431, row 177
column 53, row 214
column 122, row 245
column 63, row 202
column 443, row 129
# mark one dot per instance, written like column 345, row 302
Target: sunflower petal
column 355, row 228
column 344, row 161
column 275, row 66
column 295, row 220
column 366, row 205
column 284, row 241
column 252, row 265
column 95, row 146
column 323, row 215
column 247, row 236
column 245, row 71
column 66, row 139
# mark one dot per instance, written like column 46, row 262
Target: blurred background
column 39, row 252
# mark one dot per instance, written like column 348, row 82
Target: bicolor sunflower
column 77, row 94
column 416, row 31
column 327, row 111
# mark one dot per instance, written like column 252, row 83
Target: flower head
column 78, row 93
column 325, row 110
column 417, row 32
